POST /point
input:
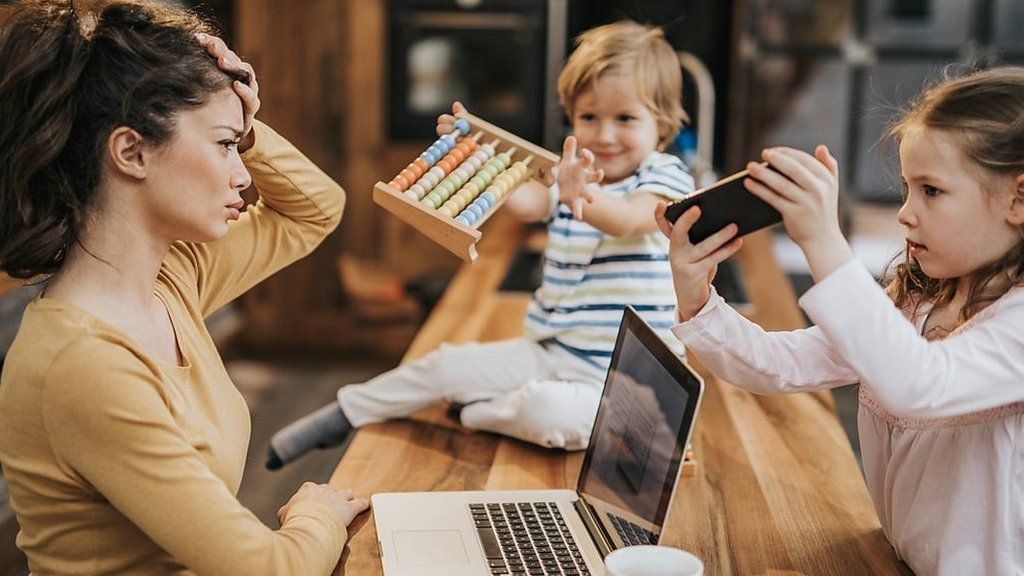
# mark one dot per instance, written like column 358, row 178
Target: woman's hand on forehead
column 230, row 62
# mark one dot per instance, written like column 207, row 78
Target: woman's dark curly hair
column 68, row 78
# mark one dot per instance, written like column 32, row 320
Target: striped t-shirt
column 590, row 277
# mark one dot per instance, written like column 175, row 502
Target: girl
column 125, row 143
column 942, row 372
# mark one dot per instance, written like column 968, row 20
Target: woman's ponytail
column 43, row 54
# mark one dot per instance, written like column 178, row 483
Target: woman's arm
column 117, row 429
column 298, row 207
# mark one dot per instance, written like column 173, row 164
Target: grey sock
column 324, row 428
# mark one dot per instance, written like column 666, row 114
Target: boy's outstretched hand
column 577, row 177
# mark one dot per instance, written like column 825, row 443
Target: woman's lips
column 235, row 210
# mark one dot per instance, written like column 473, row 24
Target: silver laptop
column 623, row 495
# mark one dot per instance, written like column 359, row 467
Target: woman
column 128, row 136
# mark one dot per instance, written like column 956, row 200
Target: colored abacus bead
column 447, row 163
column 462, row 125
column 409, row 176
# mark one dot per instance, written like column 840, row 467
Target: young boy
column 621, row 89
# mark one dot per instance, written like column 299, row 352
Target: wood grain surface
column 777, row 490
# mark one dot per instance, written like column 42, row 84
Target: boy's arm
column 616, row 216
column 578, row 181
column 531, row 202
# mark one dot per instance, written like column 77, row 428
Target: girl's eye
column 586, row 117
column 625, row 117
column 228, row 144
column 930, row 191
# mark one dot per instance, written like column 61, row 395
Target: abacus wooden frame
column 456, row 237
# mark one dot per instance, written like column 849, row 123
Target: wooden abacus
column 463, row 178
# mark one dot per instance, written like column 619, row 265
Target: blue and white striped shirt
column 590, row 277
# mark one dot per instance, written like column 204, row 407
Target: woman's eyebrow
column 237, row 131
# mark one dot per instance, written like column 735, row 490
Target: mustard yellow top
column 119, row 463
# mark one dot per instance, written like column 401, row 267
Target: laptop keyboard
column 527, row 538
column 632, row 534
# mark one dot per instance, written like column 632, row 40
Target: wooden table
column 777, row 489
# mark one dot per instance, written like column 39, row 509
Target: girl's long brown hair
column 985, row 113
column 68, row 77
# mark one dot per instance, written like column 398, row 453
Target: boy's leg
column 464, row 373
column 555, row 412
column 550, row 413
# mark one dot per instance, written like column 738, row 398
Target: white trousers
column 519, row 388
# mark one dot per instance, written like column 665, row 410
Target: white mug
column 652, row 561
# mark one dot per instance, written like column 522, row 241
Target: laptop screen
column 642, row 426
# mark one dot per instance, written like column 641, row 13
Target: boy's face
column 613, row 123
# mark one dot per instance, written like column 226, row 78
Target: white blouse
column 941, row 423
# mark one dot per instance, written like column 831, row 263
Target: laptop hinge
column 594, row 527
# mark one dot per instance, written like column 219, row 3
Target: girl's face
column 610, row 120
column 955, row 216
column 197, row 175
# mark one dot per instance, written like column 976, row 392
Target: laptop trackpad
column 430, row 548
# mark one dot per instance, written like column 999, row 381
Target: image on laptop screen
column 635, row 455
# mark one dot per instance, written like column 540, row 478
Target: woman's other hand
column 342, row 502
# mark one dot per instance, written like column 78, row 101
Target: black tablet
column 723, row 203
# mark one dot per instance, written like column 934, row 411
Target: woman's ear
column 126, row 148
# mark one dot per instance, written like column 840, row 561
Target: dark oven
column 498, row 57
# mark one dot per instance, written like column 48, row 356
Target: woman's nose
column 240, row 178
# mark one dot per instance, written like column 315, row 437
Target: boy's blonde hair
column 627, row 47
column 984, row 111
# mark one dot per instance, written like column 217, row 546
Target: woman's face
column 196, row 177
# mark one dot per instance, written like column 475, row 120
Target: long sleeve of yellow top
column 119, row 463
